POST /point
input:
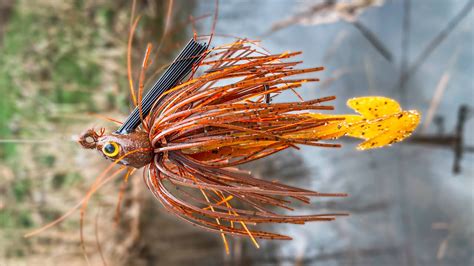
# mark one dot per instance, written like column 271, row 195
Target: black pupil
column 109, row 148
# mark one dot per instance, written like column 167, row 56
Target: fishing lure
column 190, row 135
column 200, row 130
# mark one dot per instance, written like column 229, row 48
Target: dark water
column 406, row 204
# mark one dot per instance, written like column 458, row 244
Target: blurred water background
column 63, row 60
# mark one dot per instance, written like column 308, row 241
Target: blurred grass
column 7, row 105
column 44, row 56
column 50, row 69
column 60, row 61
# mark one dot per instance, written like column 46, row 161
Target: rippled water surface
column 400, row 197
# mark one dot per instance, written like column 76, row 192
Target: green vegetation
column 60, row 60
column 46, row 62
column 50, row 71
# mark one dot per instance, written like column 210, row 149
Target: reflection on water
column 407, row 207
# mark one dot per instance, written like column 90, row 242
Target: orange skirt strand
column 199, row 131
column 206, row 126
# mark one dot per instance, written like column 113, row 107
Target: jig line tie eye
column 111, row 149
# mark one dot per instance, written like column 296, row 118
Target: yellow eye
column 111, row 149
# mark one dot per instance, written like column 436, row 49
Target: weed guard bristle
column 192, row 53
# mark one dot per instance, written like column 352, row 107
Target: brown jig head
column 133, row 149
column 132, row 146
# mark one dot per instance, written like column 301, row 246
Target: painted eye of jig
column 207, row 152
column 111, row 149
